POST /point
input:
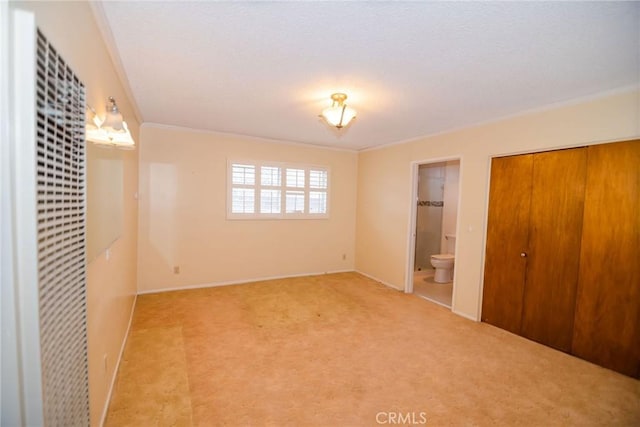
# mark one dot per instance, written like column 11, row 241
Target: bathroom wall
column 385, row 179
column 450, row 208
column 429, row 214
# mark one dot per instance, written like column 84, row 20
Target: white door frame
column 413, row 211
column 22, row 401
column 10, row 407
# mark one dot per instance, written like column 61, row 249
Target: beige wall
column 111, row 284
column 182, row 217
column 384, row 183
column 450, row 209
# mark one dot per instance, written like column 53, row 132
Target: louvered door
column 60, row 170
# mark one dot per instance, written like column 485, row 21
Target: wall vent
column 60, row 106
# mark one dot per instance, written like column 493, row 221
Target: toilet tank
column 451, row 243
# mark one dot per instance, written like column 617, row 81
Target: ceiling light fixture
column 111, row 131
column 339, row 114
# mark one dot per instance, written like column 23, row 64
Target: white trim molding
column 107, row 402
column 238, row 282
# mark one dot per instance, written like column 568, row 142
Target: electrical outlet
column 176, row 269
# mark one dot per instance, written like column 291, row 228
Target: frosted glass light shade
column 112, row 131
column 94, row 121
column 113, row 121
column 339, row 116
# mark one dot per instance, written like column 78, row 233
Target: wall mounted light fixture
column 339, row 114
column 112, row 131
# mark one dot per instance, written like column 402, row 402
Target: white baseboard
column 389, row 285
column 115, row 370
column 238, row 282
column 466, row 316
column 434, row 301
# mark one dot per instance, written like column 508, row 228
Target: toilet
column 443, row 263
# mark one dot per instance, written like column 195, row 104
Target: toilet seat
column 443, row 257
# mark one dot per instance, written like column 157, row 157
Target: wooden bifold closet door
column 507, row 239
column 607, row 323
column 562, row 262
column 553, row 258
column 535, row 220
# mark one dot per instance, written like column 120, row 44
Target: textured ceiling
column 267, row 69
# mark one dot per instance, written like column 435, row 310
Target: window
column 269, row 190
column 243, row 197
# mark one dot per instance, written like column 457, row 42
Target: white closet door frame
column 10, row 410
column 19, row 226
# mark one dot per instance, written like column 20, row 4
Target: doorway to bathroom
column 434, row 225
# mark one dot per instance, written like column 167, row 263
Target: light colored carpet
column 340, row 350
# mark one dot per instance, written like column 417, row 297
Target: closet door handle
column 523, row 254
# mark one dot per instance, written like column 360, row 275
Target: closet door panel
column 607, row 319
column 557, row 201
column 507, row 235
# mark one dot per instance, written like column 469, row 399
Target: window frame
column 283, row 188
